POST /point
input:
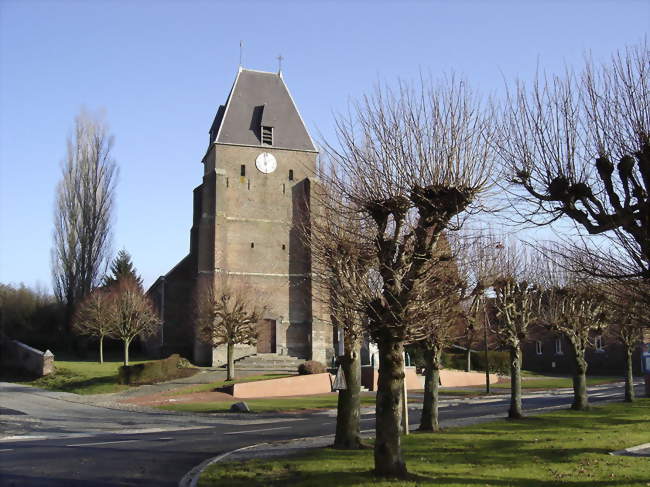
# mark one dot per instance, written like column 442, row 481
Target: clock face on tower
column 266, row 163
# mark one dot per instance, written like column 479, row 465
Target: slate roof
column 260, row 98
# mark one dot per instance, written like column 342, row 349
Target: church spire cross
column 279, row 58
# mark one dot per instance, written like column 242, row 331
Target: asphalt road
column 48, row 440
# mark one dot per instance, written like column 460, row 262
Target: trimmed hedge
column 499, row 361
column 311, row 367
column 172, row 367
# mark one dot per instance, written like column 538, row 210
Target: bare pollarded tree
column 477, row 262
column 343, row 268
column 434, row 314
column 83, row 212
column 228, row 309
column 410, row 161
column 576, row 309
column 517, row 302
column 578, row 146
column 629, row 316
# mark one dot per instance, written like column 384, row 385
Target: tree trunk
column 580, row 397
column 429, row 420
column 515, row 411
column 231, row 361
column 101, row 349
column 348, row 426
column 468, row 359
column 629, row 377
column 126, row 351
column 388, row 450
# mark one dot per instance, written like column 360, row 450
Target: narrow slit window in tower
column 252, row 245
column 242, row 171
column 290, row 174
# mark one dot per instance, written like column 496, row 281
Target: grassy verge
column 79, row 377
column 541, row 382
column 297, row 403
column 216, row 385
column 560, row 448
column 460, row 392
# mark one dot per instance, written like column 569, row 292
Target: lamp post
column 487, row 356
column 488, row 293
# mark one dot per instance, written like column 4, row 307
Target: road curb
column 633, row 451
column 191, row 478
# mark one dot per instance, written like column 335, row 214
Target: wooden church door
column 266, row 336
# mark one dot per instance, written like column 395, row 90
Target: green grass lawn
column 83, row 377
column 550, row 382
column 79, row 377
column 460, row 392
column 216, row 385
column 298, row 403
column 556, row 449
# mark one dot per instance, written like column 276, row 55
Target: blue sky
column 160, row 70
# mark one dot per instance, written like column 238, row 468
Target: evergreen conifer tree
column 122, row 267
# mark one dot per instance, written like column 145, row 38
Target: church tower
column 248, row 214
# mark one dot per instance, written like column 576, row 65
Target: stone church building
column 249, row 209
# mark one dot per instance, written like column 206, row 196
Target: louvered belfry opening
column 267, row 135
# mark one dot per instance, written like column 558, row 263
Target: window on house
column 290, row 174
column 284, row 247
column 242, row 170
column 558, row 346
column 252, row 245
column 538, row 347
column 267, row 135
column 598, row 344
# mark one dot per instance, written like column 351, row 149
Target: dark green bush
column 172, row 367
column 311, row 367
column 499, row 362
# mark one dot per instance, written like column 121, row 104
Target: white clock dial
column 266, row 163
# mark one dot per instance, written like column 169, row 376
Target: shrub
column 311, row 367
column 499, row 362
column 172, row 367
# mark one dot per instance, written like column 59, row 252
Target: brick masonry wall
column 609, row 361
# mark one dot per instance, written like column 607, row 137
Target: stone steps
column 269, row 362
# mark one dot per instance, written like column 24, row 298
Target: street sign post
column 339, row 381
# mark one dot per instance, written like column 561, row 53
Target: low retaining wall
column 369, row 376
column 448, row 378
column 458, row 378
column 304, row 385
column 299, row 385
column 17, row 355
